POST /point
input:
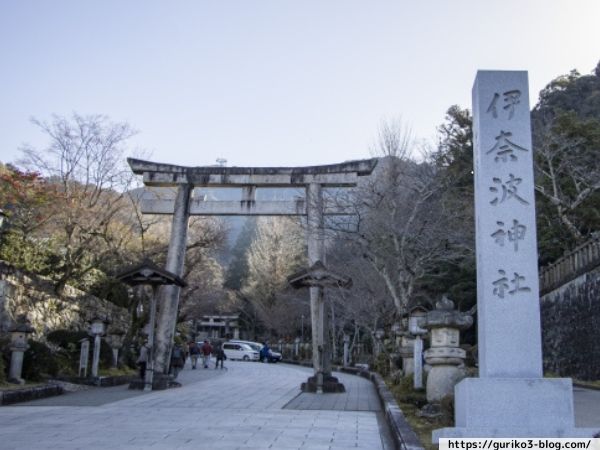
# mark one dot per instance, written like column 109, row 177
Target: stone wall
column 25, row 293
column 571, row 327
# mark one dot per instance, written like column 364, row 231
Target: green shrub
column 4, row 358
column 405, row 392
column 3, row 366
column 381, row 364
column 110, row 289
column 447, row 406
column 69, row 342
column 106, row 355
column 63, row 338
column 39, row 362
column 128, row 356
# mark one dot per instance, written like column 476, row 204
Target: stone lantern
column 406, row 349
column 396, row 333
column 18, row 344
column 98, row 327
column 346, row 360
column 415, row 316
column 116, row 338
column 379, row 334
column 296, row 346
column 444, row 354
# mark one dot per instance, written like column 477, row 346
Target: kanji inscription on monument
column 505, row 208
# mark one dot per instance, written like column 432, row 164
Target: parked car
column 257, row 346
column 240, row 350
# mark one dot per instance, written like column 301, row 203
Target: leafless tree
column 277, row 251
column 366, row 305
column 404, row 228
column 84, row 161
column 567, row 169
column 203, row 273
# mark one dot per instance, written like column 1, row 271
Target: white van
column 273, row 355
column 238, row 350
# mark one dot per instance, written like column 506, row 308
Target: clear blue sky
column 272, row 82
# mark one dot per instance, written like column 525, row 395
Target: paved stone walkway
column 587, row 407
column 241, row 408
column 249, row 406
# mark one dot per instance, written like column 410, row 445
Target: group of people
column 194, row 351
column 180, row 353
column 205, row 350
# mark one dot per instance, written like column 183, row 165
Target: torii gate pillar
column 316, row 252
column 167, row 316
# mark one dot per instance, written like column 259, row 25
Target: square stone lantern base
column 330, row 385
column 159, row 382
column 513, row 408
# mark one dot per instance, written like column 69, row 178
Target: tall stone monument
column 510, row 398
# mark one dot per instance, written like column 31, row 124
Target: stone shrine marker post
column 510, row 398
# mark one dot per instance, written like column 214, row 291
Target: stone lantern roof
column 318, row 275
column 446, row 316
column 22, row 327
column 149, row 273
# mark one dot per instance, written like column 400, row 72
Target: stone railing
column 573, row 264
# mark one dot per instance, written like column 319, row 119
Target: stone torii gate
column 311, row 178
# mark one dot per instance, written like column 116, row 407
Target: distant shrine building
column 217, row 327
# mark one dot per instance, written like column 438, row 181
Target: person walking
column 264, row 352
column 142, row 360
column 177, row 360
column 194, row 351
column 220, row 356
column 206, row 351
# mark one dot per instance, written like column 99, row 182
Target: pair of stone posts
column 98, row 328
